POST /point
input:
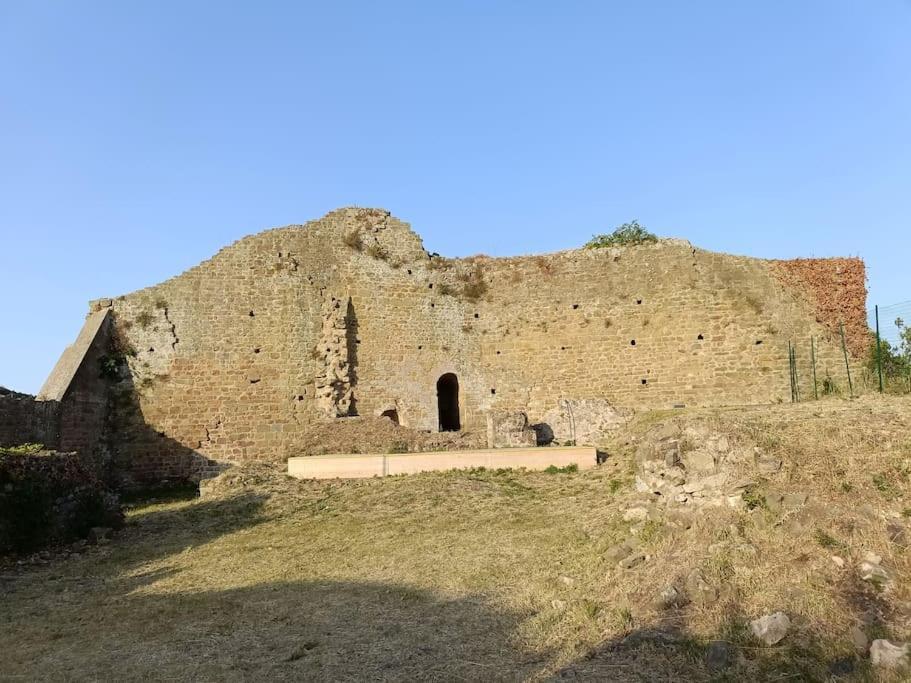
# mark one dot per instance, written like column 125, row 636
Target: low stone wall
column 25, row 420
column 365, row 466
column 48, row 497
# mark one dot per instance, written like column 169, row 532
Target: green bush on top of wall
column 625, row 235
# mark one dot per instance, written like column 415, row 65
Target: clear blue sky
column 137, row 138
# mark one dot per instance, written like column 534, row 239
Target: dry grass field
column 480, row 575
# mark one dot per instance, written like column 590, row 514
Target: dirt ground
column 481, row 575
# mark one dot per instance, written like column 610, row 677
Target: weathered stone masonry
column 349, row 314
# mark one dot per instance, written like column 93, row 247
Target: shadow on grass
column 669, row 650
column 150, row 624
column 305, row 630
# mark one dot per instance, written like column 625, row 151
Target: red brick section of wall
column 837, row 288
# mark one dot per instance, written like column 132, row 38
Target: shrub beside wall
column 48, row 497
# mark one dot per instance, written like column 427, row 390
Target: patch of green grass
column 884, row 485
column 754, row 499
column 614, row 485
column 825, row 540
column 624, row 617
column 569, row 469
column 590, row 608
column 22, row 449
column 650, row 531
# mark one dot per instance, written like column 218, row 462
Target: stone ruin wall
column 72, row 421
column 233, row 360
column 25, row 420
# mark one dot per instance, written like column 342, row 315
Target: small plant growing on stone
column 398, row 447
column 376, row 251
column 445, row 290
column 353, row 240
column 144, row 319
column 544, row 265
column 753, row 302
column 161, row 303
column 628, row 234
column 474, row 286
column 438, row 262
column 109, row 367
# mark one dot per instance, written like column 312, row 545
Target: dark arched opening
column 448, row 402
column 392, row 414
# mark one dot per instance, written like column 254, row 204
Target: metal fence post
column 813, row 357
column 791, row 370
column 879, row 351
column 844, row 350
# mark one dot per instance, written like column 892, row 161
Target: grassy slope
column 482, row 575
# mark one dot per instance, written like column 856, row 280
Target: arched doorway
column 448, row 402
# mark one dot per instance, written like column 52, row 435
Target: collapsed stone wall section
column 334, row 386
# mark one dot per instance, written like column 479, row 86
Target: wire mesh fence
column 891, row 355
column 823, row 366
